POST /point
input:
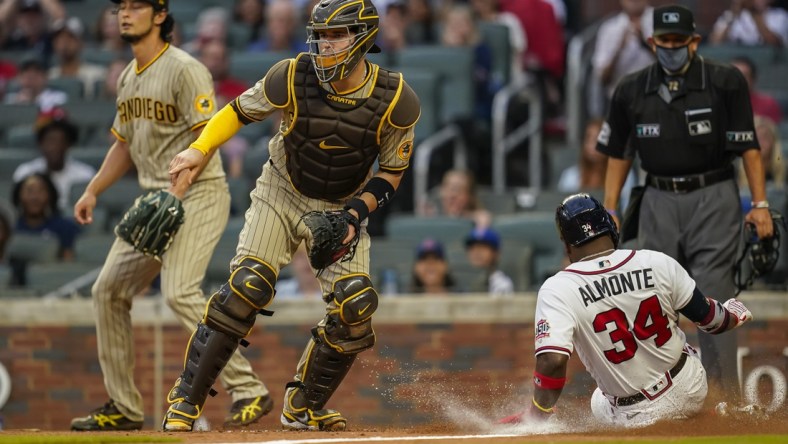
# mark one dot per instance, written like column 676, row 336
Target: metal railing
column 425, row 151
column 503, row 143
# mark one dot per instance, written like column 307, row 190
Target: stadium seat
column 497, row 204
column 219, row 266
column 73, row 87
column 45, row 278
column 32, row 248
column 536, row 230
column 762, row 56
column 455, row 67
column 239, row 195
column 93, row 118
column 426, row 85
column 252, row 66
column 11, row 158
column 410, row 229
column 391, row 255
column 16, row 116
column 93, row 248
column 497, row 38
column 91, row 156
column 774, row 77
column 117, row 199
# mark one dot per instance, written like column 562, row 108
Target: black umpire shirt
column 680, row 125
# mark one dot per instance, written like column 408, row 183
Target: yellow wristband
column 551, row 410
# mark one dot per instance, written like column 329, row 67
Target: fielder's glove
column 151, row 223
column 329, row 229
column 739, row 311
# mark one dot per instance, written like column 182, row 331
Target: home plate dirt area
column 578, row 430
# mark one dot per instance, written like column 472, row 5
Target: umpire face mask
column 673, row 60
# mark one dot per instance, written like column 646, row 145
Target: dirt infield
column 706, row 425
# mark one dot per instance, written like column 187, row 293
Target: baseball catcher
column 151, row 223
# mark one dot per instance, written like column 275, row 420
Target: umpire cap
column 158, row 5
column 581, row 218
column 673, row 19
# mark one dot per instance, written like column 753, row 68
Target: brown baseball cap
column 157, row 4
column 673, row 19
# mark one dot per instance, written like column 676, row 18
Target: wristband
column 760, row 204
column 549, row 411
column 547, row 382
column 360, row 206
column 381, row 189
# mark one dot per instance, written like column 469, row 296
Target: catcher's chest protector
column 333, row 142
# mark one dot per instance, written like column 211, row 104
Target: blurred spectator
column 215, row 57
column 559, row 10
column 589, row 173
column 32, row 82
column 114, row 70
column 67, row 38
column 490, row 11
column 458, row 198
column 762, row 103
column 7, row 72
column 459, row 30
column 282, row 30
column 6, row 216
column 393, row 27
column 250, row 13
column 422, row 27
column 431, row 274
column 35, row 198
column 545, row 56
column 27, row 22
column 751, row 22
column 212, row 26
column 303, row 284
column 482, row 248
column 771, row 157
column 54, row 140
column 108, row 32
column 621, row 46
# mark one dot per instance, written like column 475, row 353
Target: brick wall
column 481, row 366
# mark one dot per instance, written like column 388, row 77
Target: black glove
column 151, row 223
column 329, row 229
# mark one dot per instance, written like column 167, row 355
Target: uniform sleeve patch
column 405, row 150
column 542, row 329
column 741, row 136
column 604, row 134
column 204, row 103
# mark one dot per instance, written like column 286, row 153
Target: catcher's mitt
column 151, row 223
column 329, row 229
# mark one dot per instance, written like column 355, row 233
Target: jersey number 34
column 649, row 321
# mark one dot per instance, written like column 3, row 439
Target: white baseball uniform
column 620, row 313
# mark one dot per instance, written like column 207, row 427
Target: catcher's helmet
column 581, row 218
column 356, row 16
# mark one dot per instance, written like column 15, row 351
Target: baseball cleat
column 326, row 420
column 517, row 418
column 247, row 411
column 180, row 417
column 105, row 418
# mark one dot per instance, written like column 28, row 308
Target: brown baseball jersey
column 159, row 106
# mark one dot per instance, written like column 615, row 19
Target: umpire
column 687, row 118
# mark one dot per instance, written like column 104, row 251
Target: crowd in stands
column 51, row 56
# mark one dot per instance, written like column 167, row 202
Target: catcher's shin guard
column 229, row 317
column 192, row 388
column 339, row 337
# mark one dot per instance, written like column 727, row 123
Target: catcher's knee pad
column 348, row 329
column 208, row 353
column 320, row 373
column 250, row 288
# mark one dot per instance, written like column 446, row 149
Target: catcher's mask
column 581, row 218
column 761, row 254
column 359, row 19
